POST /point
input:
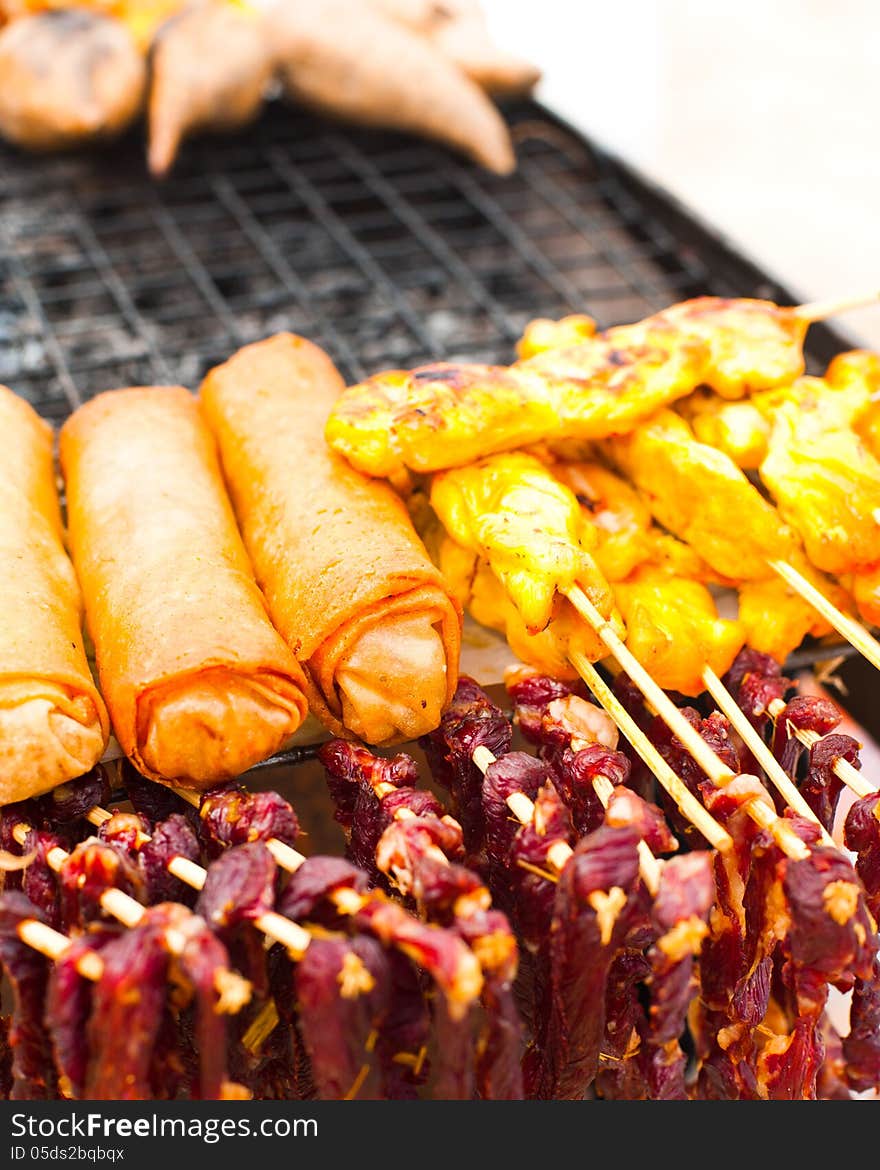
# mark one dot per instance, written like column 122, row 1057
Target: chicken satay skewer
column 523, row 808
column 490, row 509
column 130, row 912
column 842, row 768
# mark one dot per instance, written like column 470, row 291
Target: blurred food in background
column 81, row 72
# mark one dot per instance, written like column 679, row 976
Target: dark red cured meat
column 529, row 896
column 202, row 959
column 683, row 903
column 125, row 832
column 173, row 837
column 403, row 1041
column 715, row 730
column 92, row 868
column 756, row 680
column 628, row 808
column 39, row 882
column 532, row 694
column 342, row 988
column 514, row 772
column 307, row 895
column 834, row 938
column 685, row 897
column 127, row 1011
column 470, row 721
column 802, row 713
column 821, row 787
column 234, row 816
column 619, row 1077
column 574, row 773
column 69, row 803
column 861, row 833
column 154, row 801
column 68, row 1006
column 350, row 766
column 130, row 1005
column 565, row 1058
column 861, row 1048
column 240, row 886
column 33, row 1072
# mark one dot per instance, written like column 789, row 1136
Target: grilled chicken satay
column 529, row 529
column 189, row 92
column 348, row 59
column 68, row 76
column 672, row 623
column 699, row 494
column 447, row 415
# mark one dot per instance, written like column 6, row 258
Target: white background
column 762, row 116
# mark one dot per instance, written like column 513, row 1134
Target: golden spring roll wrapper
column 348, row 581
column 53, row 723
column 199, row 684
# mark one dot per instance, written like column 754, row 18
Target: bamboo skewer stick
column 774, row 771
column 130, row 912
column 820, row 310
column 842, row 768
column 718, row 772
column 54, row 945
column 854, row 632
column 650, row 867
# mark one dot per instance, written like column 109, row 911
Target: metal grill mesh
column 385, row 250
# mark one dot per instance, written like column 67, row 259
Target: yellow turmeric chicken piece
column 446, row 415
column 510, row 511
column 622, row 520
column 674, row 630
column 755, row 344
column 481, row 593
column 699, row 494
column 543, row 334
column 857, row 372
column 739, row 429
column 825, row 481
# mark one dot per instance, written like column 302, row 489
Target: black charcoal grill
column 385, row 250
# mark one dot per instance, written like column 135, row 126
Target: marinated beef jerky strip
column 33, row 1071
column 861, row 834
column 861, row 1047
column 470, row 721
column 679, row 917
column 68, row 1007
column 240, row 887
column 416, row 848
column 171, row 945
column 91, row 869
column 515, row 772
column 199, row 685
column 343, row 989
column 53, row 723
column 596, row 896
column 170, row 838
column 234, row 816
column 347, row 580
column 802, row 713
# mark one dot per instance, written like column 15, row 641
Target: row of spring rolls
column 234, row 574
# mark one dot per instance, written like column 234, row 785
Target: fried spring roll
column 199, row 684
column 348, row 582
column 53, row 724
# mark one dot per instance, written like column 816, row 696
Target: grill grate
column 385, row 250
